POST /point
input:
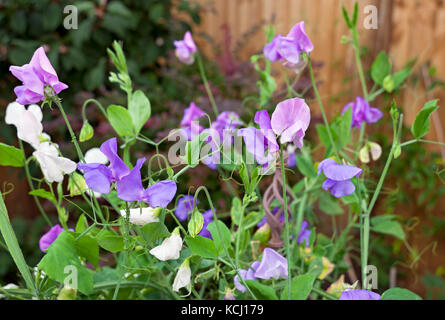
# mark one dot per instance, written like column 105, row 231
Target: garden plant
column 124, row 231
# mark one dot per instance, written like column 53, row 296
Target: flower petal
column 161, row 193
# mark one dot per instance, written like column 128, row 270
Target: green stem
column 366, row 226
column 421, row 140
column 320, row 104
column 73, row 136
column 226, row 252
column 125, row 228
column 356, row 45
column 286, row 224
column 206, row 85
column 31, row 186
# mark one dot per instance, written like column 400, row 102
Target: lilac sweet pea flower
column 356, row 294
column 191, row 113
column 184, row 207
column 273, row 265
column 338, row 177
column 38, row 78
column 128, row 182
column 290, row 47
column 185, row 49
column 225, row 124
column 99, row 176
column 191, row 127
column 246, row 275
column 362, row 112
column 130, row 188
column 48, row 238
column 208, row 217
column 290, row 120
column 304, row 233
column 261, row 143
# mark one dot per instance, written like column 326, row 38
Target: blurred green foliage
column 146, row 28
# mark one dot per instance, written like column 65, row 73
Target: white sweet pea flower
column 27, row 121
column 370, row 148
column 183, row 277
column 8, row 287
column 94, row 155
column 170, row 248
column 142, row 216
column 53, row 166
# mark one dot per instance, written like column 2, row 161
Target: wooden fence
column 406, row 29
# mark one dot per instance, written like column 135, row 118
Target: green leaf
column 344, row 134
column 193, row 149
column 222, row 241
column 88, row 248
column 399, row 294
column 329, row 205
column 386, row 225
column 400, row 77
column 346, row 17
column 61, row 254
column 261, row 291
column 44, row 194
column 252, row 219
column 421, row 124
column 305, row 164
column 110, row 241
column 245, row 178
column 11, row 156
column 139, row 109
column 236, row 211
column 12, row 244
column 86, row 133
column 154, row 231
column 82, row 224
column 202, row 247
column 324, row 137
column 380, row 68
column 301, row 287
column 120, row 120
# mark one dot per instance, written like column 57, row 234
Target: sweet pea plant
column 125, row 232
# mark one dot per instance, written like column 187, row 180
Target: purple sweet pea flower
column 292, row 160
column 271, row 50
column 208, row 217
column 273, row 265
column 185, row 49
column 362, row 112
column 38, row 77
column 227, row 120
column 261, row 143
column 338, row 177
column 290, row 120
column 129, row 187
column 356, row 294
column 290, row 47
column 225, row 123
column 304, row 233
column 184, row 207
column 99, row 176
column 246, row 275
column 191, row 113
column 48, row 238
